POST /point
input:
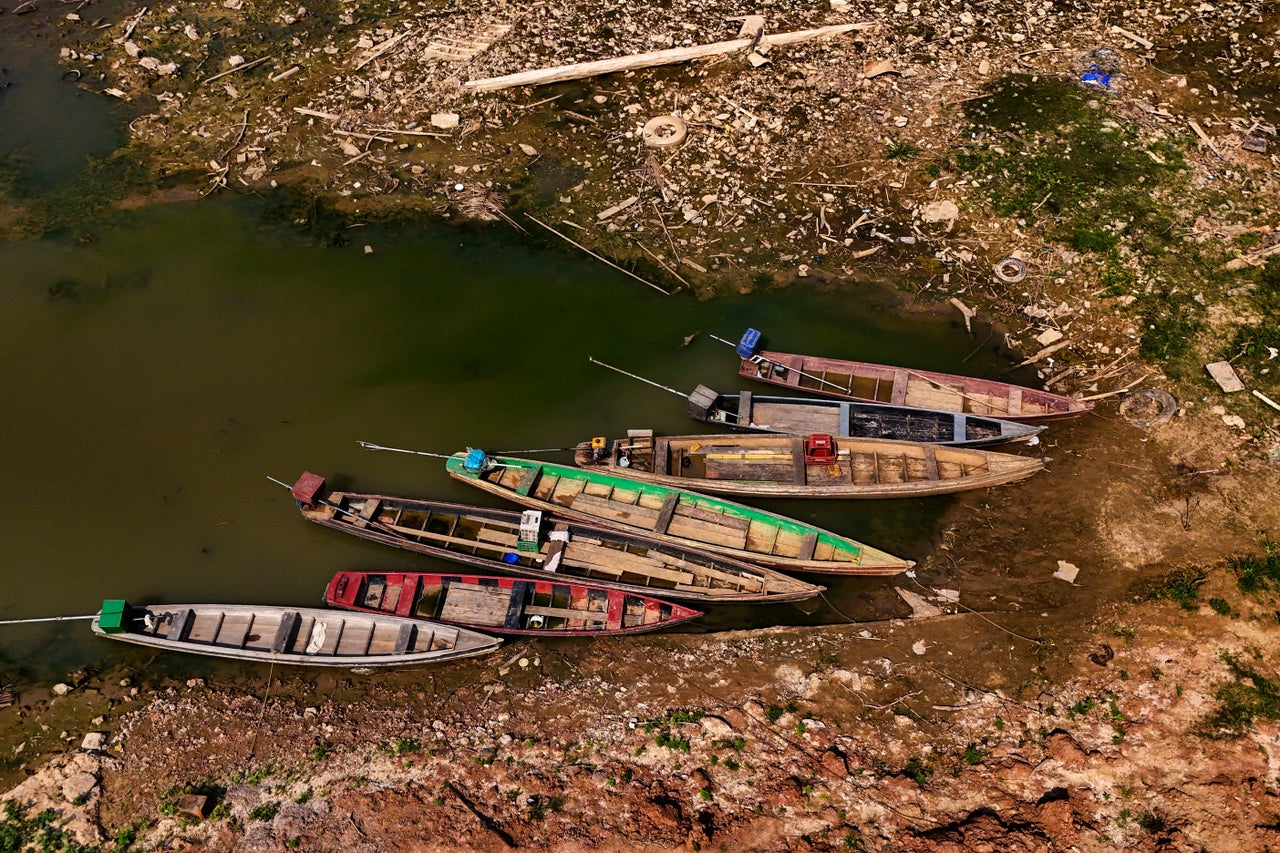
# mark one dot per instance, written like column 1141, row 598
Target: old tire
column 664, row 131
column 1010, row 270
column 1148, row 407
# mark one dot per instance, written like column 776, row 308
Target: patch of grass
column 680, row 744
column 1043, row 148
column 1220, row 606
column 1257, row 572
column 1249, row 695
column 1169, row 325
column 1151, row 822
column 1181, row 587
column 407, row 744
column 1248, row 346
column 900, row 150
column 917, row 771
column 704, row 795
column 540, row 806
column 20, row 833
column 264, row 811
column 1081, row 708
column 1117, row 279
column 972, row 755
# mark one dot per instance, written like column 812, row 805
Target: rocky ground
column 1134, row 707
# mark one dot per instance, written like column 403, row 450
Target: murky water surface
column 157, row 373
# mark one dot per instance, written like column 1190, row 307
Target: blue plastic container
column 749, row 344
column 510, row 558
column 475, row 461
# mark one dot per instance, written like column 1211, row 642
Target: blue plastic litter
column 1094, row 74
column 475, row 461
column 510, row 558
column 749, row 344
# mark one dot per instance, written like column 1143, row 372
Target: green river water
column 158, row 365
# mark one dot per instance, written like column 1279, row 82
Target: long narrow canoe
column 851, row 419
column 506, row 605
column 489, row 539
column 671, row 514
column 793, row 466
column 289, row 635
column 902, row 386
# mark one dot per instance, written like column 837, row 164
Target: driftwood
column 671, row 56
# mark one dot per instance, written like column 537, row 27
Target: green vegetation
column 1249, row 695
column 264, row 811
column 665, row 738
column 917, row 771
column 1248, row 347
column 1255, row 573
column 704, row 795
column 1220, row 606
column 320, row 751
column 1181, row 587
column 773, row 713
column 900, row 150
column 539, row 806
column 1046, row 151
column 19, row 833
column 972, row 755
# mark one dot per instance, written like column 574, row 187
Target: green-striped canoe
column 677, row 515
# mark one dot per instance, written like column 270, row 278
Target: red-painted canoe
column 901, row 386
column 505, row 605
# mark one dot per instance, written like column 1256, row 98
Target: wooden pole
column 597, row 257
column 671, row 56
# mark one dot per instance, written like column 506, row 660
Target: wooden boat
column 289, row 635
column 490, row 540
column 901, row 386
column 852, row 419
column 672, row 514
column 793, row 466
column 843, row 418
column 506, row 605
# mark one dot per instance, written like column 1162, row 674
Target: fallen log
column 671, row 56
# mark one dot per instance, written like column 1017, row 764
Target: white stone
column 93, row 741
column 61, row 689
column 1233, row 421
column 1066, row 572
column 79, row 786
column 444, row 121
column 236, row 60
column 528, row 150
column 1049, row 336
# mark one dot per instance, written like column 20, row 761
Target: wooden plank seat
column 698, row 530
column 284, row 633
column 181, row 624
column 624, row 513
column 408, row 633
column 476, row 605
column 567, row 613
column 668, row 510
column 615, row 562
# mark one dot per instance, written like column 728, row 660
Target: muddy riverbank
column 1132, row 707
